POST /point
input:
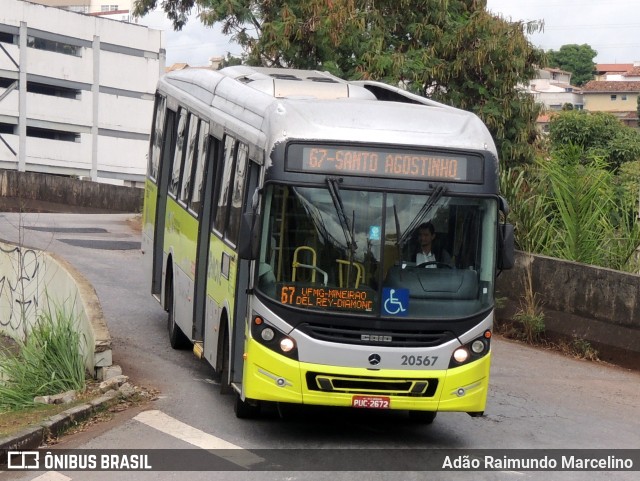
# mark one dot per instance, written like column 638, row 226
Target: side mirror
column 504, row 206
column 506, row 247
column 249, row 242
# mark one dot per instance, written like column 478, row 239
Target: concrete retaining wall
column 30, row 280
column 591, row 303
column 68, row 191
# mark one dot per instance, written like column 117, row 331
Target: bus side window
column 198, row 181
column 225, row 185
column 237, row 194
column 156, row 137
column 189, row 160
column 178, row 160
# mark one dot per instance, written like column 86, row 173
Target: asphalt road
column 538, row 399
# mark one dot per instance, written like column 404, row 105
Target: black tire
column 422, row 417
column 246, row 409
column 177, row 339
column 223, row 369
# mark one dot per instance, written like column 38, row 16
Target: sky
column 195, row 44
column 610, row 27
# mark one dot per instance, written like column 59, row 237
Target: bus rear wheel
column 224, row 361
column 422, row 417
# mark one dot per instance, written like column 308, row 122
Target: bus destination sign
column 388, row 163
column 327, row 297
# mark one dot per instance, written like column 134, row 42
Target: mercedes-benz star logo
column 374, row 359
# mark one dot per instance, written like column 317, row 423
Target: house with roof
column 552, row 88
column 633, row 75
column 555, row 75
column 542, row 123
column 611, row 71
column 614, row 96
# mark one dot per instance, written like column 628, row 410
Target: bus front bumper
column 269, row 376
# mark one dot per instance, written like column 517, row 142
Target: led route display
column 388, row 163
column 327, row 297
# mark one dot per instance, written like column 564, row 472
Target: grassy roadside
column 47, row 364
column 44, row 364
column 16, row 421
column 12, row 422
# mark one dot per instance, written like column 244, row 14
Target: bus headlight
column 287, row 344
column 270, row 337
column 471, row 351
column 477, row 346
column 461, row 355
column 267, row 334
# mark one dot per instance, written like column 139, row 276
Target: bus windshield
column 380, row 254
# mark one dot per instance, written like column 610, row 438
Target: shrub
column 48, row 362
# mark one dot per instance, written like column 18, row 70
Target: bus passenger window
column 225, row 185
column 237, row 194
column 178, row 159
column 198, row 181
column 191, row 152
column 156, row 136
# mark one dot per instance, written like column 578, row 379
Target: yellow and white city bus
column 280, row 232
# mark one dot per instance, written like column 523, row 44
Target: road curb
column 34, row 437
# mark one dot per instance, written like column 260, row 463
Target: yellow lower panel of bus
column 269, row 376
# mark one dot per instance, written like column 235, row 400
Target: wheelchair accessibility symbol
column 395, row 302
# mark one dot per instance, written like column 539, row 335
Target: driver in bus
column 428, row 255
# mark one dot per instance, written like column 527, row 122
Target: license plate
column 371, row 402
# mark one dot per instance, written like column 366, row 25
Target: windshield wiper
column 349, row 235
column 424, row 210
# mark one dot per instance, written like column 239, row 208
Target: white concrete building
column 554, row 96
column 553, row 89
column 115, row 9
column 76, row 92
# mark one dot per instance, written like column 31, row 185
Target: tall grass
column 581, row 203
column 528, row 215
column 570, row 206
column 48, row 362
column 530, row 315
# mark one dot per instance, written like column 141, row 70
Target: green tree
column 272, row 32
column 596, row 133
column 577, row 59
column 463, row 56
column 453, row 51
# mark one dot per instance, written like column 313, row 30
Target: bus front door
column 164, row 174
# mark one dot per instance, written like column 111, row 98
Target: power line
column 595, row 26
column 562, row 3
